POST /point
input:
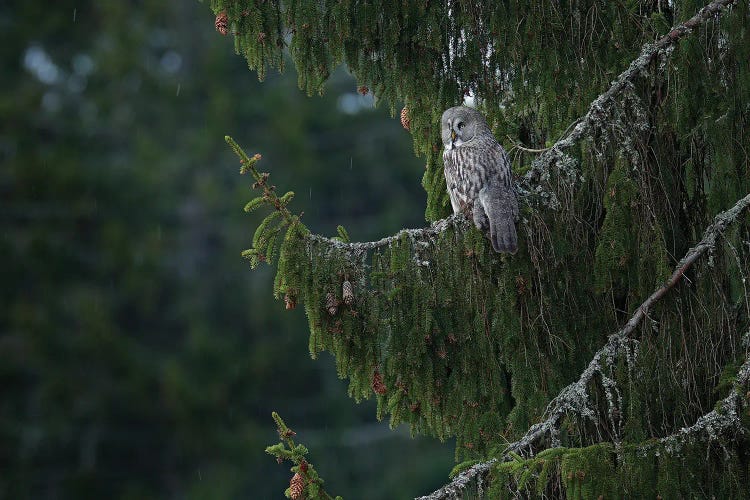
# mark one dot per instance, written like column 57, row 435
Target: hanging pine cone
column 362, row 89
column 347, row 292
column 290, row 301
column 405, row 119
column 377, row 383
column 222, row 23
column 332, row 305
column 296, row 486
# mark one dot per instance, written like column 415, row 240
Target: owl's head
column 460, row 125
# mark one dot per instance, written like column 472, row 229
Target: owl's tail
column 501, row 207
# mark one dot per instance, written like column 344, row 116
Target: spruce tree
column 610, row 356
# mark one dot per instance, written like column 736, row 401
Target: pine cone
column 347, row 292
column 377, row 383
column 405, row 119
column 222, row 23
column 296, row 486
column 332, row 305
column 290, row 301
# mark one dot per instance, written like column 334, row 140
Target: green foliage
column 398, row 50
column 343, row 236
column 460, row 467
column 426, row 342
column 616, row 250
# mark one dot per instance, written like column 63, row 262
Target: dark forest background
column 140, row 357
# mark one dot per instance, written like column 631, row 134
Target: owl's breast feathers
column 458, row 175
column 479, row 183
column 470, row 167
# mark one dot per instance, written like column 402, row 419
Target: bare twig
column 520, row 147
column 574, row 397
column 517, row 145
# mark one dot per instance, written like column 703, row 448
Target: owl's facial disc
column 456, row 137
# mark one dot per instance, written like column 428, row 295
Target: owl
column 477, row 173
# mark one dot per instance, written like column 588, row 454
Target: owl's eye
column 460, row 125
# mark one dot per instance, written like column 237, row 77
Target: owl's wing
column 498, row 199
column 500, row 204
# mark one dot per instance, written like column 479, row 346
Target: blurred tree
column 137, row 358
column 598, row 361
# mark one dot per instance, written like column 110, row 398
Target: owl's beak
column 453, row 135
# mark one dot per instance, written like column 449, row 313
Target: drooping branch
column 574, row 397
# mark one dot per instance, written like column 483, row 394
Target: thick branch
column 604, row 101
column 574, row 396
column 425, row 233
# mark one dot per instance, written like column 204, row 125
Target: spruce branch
column 269, row 196
column 266, row 235
column 305, row 483
column 521, row 147
column 574, row 397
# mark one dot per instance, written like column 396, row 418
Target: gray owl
column 477, row 172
